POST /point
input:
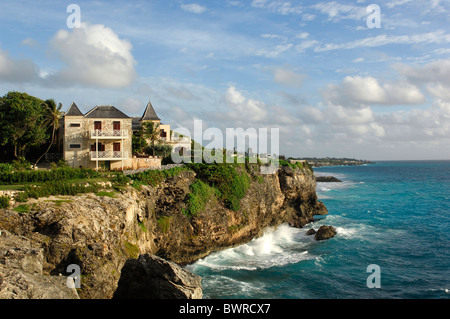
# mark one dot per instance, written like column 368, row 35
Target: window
column 98, row 125
column 101, row 147
column 75, row 145
column 74, row 125
column 116, row 126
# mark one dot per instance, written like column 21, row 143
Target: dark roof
column 73, row 110
column 150, row 114
column 135, row 123
column 106, row 111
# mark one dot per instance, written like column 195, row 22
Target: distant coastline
column 332, row 161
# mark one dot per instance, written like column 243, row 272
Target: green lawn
column 18, row 187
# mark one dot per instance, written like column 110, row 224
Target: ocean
column 393, row 241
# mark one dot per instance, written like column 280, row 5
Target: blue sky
column 313, row 69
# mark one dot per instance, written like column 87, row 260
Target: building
column 102, row 138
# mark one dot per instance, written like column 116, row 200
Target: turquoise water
column 392, row 214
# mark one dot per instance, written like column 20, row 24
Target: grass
column 164, row 223
column 105, row 193
column 15, row 187
column 22, row 208
column 142, row 227
column 59, row 202
column 131, row 249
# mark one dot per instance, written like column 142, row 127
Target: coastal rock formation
column 327, row 179
column 325, row 232
column 151, row 277
column 21, row 272
column 101, row 233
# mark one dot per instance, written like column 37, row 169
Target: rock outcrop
column 100, row 234
column 21, row 272
column 327, row 179
column 151, row 277
column 325, row 232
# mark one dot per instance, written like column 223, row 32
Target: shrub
column 6, row 168
column 200, row 194
column 21, row 197
column 4, row 201
column 155, row 177
column 57, row 174
column 60, row 188
column 231, row 181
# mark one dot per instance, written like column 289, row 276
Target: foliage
column 60, row 188
column 131, row 249
column 21, row 197
column 164, row 223
column 151, row 132
column 155, row 177
column 22, row 208
column 22, row 122
column 57, row 174
column 52, row 116
column 138, row 143
column 4, row 201
column 105, row 193
column 161, row 150
column 200, row 194
column 6, row 168
column 231, row 181
column 142, row 227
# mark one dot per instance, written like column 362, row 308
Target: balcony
column 109, row 134
column 108, row 155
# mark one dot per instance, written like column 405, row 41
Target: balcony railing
column 108, row 155
column 109, row 133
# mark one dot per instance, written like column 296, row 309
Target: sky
column 361, row 79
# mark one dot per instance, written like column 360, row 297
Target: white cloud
column 338, row 11
column 32, row 43
column 288, row 77
column 356, row 91
column 242, row 109
column 193, row 8
column 93, row 55
column 436, row 37
column 396, row 3
column 280, row 7
column 15, row 71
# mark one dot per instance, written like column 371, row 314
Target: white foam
column 277, row 247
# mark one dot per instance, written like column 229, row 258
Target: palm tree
column 51, row 119
column 151, row 132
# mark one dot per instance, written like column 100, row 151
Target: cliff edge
column 101, row 233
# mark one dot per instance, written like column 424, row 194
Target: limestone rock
column 151, row 277
column 325, row 232
column 21, row 275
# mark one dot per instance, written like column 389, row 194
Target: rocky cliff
column 100, row 233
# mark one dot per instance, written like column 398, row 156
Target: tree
column 151, row 132
column 22, row 122
column 138, row 142
column 52, row 116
